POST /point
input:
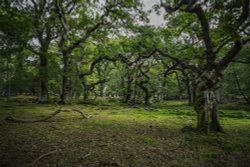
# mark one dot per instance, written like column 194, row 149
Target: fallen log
column 16, row 120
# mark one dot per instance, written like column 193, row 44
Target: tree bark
column 43, row 79
column 147, row 98
column 179, row 86
column 123, row 92
column 207, row 111
column 65, row 95
column 129, row 88
column 188, row 87
column 20, row 72
column 148, row 94
column 189, row 92
column 85, row 92
column 101, row 89
column 44, row 35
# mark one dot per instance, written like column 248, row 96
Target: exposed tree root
column 15, row 120
column 42, row 156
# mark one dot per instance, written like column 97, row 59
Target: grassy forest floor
column 119, row 135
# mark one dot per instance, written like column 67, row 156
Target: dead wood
column 42, row 156
column 16, row 120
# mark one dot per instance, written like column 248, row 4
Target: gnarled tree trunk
column 207, row 111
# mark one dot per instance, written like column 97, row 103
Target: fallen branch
column 42, row 156
column 87, row 155
column 15, row 120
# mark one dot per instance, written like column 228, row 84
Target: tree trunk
column 179, row 86
column 129, row 88
column 43, row 72
column 86, row 89
column 86, row 92
column 189, row 93
column 101, row 88
column 207, row 111
column 147, row 98
column 8, row 92
column 135, row 94
column 123, row 92
column 20, row 72
column 66, row 80
column 218, row 96
column 192, row 89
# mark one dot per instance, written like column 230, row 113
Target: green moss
column 149, row 140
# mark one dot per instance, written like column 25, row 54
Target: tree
column 43, row 16
column 43, row 20
column 74, row 31
column 15, row 31
column 220, row 48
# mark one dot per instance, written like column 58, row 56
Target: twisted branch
column 11, row 119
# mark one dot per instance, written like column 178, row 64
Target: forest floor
column 119, row 135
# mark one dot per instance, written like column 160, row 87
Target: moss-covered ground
column 119, row 135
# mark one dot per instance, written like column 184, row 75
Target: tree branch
column 173, row 67
column 30, row 48
column 229, row 56
column 15, row 120
column 92, row 29
column 247, row 99
column 93, row 64
column 241, row 62
column 205, row 30
column 192, row 67
column 42, row 156
column 92, row 85
column 245, row 13
column 226, row 41
column 169, row 8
